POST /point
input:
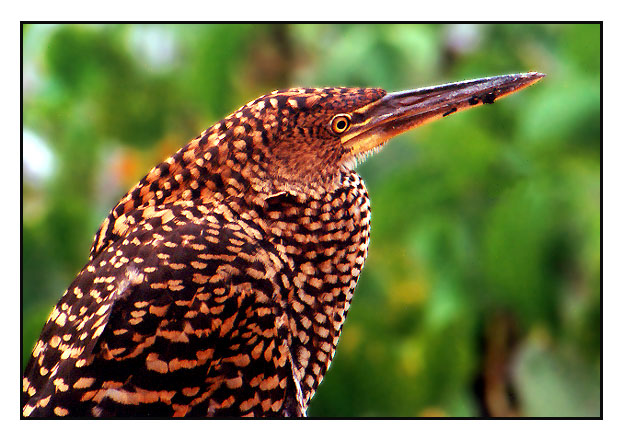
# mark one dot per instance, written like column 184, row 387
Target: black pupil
column 341, row 124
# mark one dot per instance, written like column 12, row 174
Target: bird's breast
column 325, row 242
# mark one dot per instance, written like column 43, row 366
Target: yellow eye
column 340, row 123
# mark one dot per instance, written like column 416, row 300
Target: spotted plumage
column 219, row 284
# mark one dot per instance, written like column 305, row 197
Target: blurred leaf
column 551, row 384
column 569, row 110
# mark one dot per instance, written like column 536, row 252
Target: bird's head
column 303, row 129
column 303, row 138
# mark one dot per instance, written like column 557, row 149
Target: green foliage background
column 481, row 294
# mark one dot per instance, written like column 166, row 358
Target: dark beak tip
column 535, row 76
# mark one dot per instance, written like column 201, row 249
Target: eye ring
column 340, row 123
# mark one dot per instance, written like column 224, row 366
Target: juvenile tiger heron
column 219, row 284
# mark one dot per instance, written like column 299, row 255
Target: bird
column 219, row 284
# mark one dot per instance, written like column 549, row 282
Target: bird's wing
column 174, row 318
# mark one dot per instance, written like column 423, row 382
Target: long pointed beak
column 398, row 112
